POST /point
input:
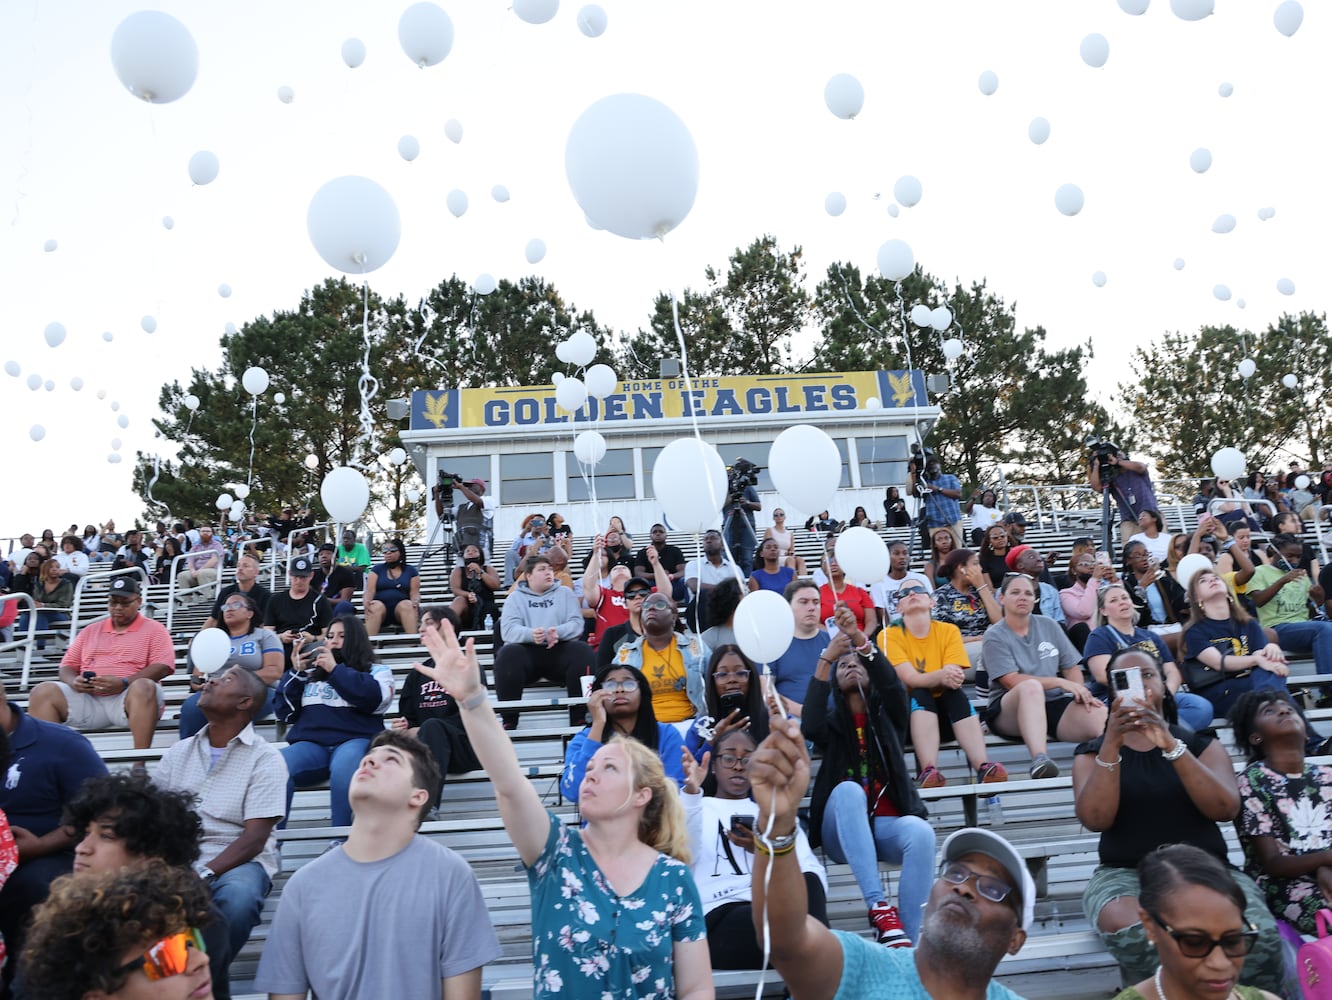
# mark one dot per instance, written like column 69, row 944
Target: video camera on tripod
column 442, row 493
column 1100, row 451
column 739, row 477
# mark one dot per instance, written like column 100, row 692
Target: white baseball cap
column 973, row 840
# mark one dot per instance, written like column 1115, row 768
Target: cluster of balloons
column 939, row 318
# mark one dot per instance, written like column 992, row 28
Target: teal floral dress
column 589, row 942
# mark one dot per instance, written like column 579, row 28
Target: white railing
column 101, row 583
column 26, row 643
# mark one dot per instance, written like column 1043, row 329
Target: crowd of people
column 690, row 760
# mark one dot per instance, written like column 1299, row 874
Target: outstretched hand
column 695, row 772
column 455, row 669
column 779, row 775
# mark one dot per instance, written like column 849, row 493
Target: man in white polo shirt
column 109, row 675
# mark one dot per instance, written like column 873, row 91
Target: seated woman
column 1289, row 523
column 721, row 846
column 252, row 647
column 473, row 585
column 942, row 543
column 53, row 595
column 1146, row 783
column 619, row 546
column 931, row 661
column 723, row 600
column 895, row 513
column 985, row 513
column 1159, row 599
column 1153, row 535
column 1116, row 628
column 838, row 591
column 967, row 600
column 734, row 694
column 864, row 807
column 166, row 565
column 392, row 591
column 620, row 704
column 333, row 700
column 993, row 553
column 73, row 560
column 1189, row 905
column 1285, row 821
column 770, row 573
column 860, row 519
column 561, row 533
column 785, row 539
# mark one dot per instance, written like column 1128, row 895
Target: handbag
column 1198, row 677
column 1314, row 961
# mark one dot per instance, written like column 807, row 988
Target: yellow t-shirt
column 665, row 671
column 942, row 646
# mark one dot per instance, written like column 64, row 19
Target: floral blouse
column 584, row 934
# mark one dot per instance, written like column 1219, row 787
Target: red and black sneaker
column 888, row 926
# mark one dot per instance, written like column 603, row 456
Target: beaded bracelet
column 775, row 847
column 1108, row 765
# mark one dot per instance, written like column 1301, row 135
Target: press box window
column 614, row 476
column 527, row 478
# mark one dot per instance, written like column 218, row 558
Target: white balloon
column 1068, row 199
column 907, row 190
column 413, row 495
column 941, row 318
column 1266, row 213
column 893, row 209
column 920, row 314
column 12, row 369
column 210, row 650
column 844, row 95
column 285, row 94
column 155, row 56
column 122, row 421
column 500, row 193
column 168, row 222
column 397, row 456
column 241, row 490
column 76, row 383
column 1290, row 382
column 353, row 224
column 535, row 251
column 592, row 21
column 237, row 510
column 1200, row 159
column 116, row 444
column 456, row 202
column 34, row 381
column 764, row 626
column 562, row 352
column 952, row 349
column 279, row 398
column 101, row 394
column 224, row 291
column 50, row 245
column 632, row 166
column 988, row 82
column 223, row 501
column 556, row 378
column 1285, row 286
column 1098, row 279
column 255, row 380
column 311, row 462
column 49, row 385
column 1038, row 131
column 835, row 203
column 1192, row 10
column 230, row 328
column 571, row 395
column 1095, row 50
column 115, row 407
column 453, row 130
column 425, row 33
column 36, row 432
column 54, row 334
column 1189, row 567
column 1225, row 90
column 805, row 467
column 191, row 402
column 1222, row 292
column 1246, row 368
column 409, row 148
column 601, row 381
column 203, row 167
column 1134, row 7
column 113, row 458
column 862, row 555
column 689, row 481
column 353, row 52
column 582, row 347
column 896, row 261
column 148, row 323
column 345, row 494
column 1288, row 17
column 484, row 284
column 1301, row 482
column 1179, row 263
column 873, row 403
column 1240, row 303
column 536, row 11
column 589, row 447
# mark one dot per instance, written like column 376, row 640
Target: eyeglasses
column 235, row 607
column 614, row 687
column 660, row 602
column 732, row 761
column 908, row 591
column 167, row 957
column 636, row 595
column 1195, row 944
column 996, row 890
column 741, row 674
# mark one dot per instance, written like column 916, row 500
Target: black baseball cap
column 1015, row 517
column 125, row 585
column 301, row 567
column 328, row 547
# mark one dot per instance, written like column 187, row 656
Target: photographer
column 1128, row 482
column 473, row 517
column 939, row 492
column 738, row 514
column 474, row 584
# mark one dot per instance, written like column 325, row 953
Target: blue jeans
column 1195, row 711
column 45, row 619
column 1308, row 637
column 741, row 540
column 901, row 840
column 310, row 763
column 239, row 894
column 191, row 720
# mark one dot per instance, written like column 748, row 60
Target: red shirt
column 611, row 611
column 856, row 599
column 103, row 650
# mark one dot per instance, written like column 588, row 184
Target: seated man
column 673, row 663
column 204, row 562
column 247, row 582
column 385, row 884
column 352, row 553
column 1026, row 560
column 241, row 781
column 336, row 584
column 1036, row 684
column 668, row 555
column 299, row 611
column 542, row 628
column 109, row 675
column 1282, row 592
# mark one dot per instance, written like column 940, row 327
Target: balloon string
column 852, row 303
column 367, row 385
column 157, row 472
column 254, row 421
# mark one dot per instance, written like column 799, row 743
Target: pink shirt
column 103, row 650
column 1079, row 602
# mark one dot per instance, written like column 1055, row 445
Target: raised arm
column 592, row 575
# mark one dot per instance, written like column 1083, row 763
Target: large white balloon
column 1288, row 17
column 453, row 130
column 941, row 318
column 1229, row 463
column 536, row 11
column 1189, row 567
column 601, row 381
column 353, row 52
column 1192, row 10
column 1038, row 131
column 920, row 315
column 1098, row 279
column 397, row 456
column 571, row 395
column 210, row 650
column 55, row 333
column 237, row 510
column 535, row 251
column 632, row 166
column 1302, row 482
column 484, row 284
column 592, row 21
column 425, row 33
column 1068, row 199
column 203, row 167
column 36, row 432
column 456, row 202
column 862, row 555
column 764, row 625
column 1222, row 292
column 285, row 94
column 952, row 349
column 1134, row 7
column 148, row 323
column 1285, row 286
column 191, row 402
column 1200, row 159
column 34, row 381
column 907, row 190
column 353, row 224
column 1223, row 224
column 589, row 447
column 582, row 347
column 223, row 501
column 896, row 261
column 988, row 82
column 345, row 494
column 12, row 369
column 1095, row 50
column 409, row 147
column 835, row 203
column 155, row 56
column 1290, row 382
column 255, row 380
column 689, row 481
column 806, row 468
column 241, row 490
column 1246, row 368
column 844, row 95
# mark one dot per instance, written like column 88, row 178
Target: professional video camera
column 739, row 477
column 918, row 462
column 1100, row 451
column 442, row 492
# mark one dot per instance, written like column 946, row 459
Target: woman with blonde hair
column 615, row 911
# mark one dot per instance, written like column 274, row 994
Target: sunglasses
column 636, row 595
column 167, row 957
column 660, row 602
column 996, row 890
column 235, row 607
column 614, row 687
column 1195, row 944
column 908, row 591
column 389, row 548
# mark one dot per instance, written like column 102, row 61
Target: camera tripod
column 443, row 530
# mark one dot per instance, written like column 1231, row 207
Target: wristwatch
column 207, row 874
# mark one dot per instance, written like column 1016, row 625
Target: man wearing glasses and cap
column 979, row 908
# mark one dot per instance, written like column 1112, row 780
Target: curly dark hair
column 153, row 822
column 80, row 935
column 723, row 600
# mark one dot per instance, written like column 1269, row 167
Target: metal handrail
column 26, row 643
column 103, row 578
column 173, row 591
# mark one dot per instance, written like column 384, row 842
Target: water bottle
column 489, row 623
column 994, row 811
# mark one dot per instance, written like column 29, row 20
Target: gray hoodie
column 525, row 610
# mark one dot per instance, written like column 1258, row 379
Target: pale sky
column 85, row 164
